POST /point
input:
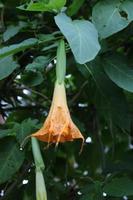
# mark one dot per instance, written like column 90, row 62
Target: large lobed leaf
column 110, row 99
column 110, row 17
column 81, row 36
column 118, row 71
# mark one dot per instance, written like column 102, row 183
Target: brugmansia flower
column 58, row 126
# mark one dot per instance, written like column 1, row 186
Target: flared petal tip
column 58, row 138
column 54, row 138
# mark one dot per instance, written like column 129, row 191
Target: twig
column 98, row 135
column 2, row 18
column 24, row 108
column 78, row 94
column 36, row 92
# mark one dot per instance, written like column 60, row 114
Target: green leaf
column 38, row 64
column 5, row 133
column 31, row 78
column 15, row 48
column 110, row 99
column 28, row 196
column 11, row 158
column 74, row 7
column 7, row 66
column 118, row 71
column 24, row 129
column 92, row 191
column 52, row 5
column 46, row 37
column 110, row 17
column 119, row 187
column 81, row 35
column 13, row 30
column 54, row 45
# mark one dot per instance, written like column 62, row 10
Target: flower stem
column 61, row 62
column 41, row 193
column 37, row 154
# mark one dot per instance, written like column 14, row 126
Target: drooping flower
column 58, row 126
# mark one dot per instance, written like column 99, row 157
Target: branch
column 24, row 108
column 80, row 91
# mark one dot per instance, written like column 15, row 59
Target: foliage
column 99, row 83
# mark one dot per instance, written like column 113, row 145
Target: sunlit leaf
column 52, row 5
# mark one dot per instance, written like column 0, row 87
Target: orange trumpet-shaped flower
column 58, row 126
